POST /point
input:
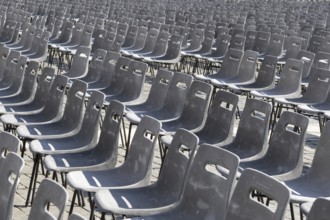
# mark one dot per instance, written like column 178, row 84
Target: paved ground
column 21, row 212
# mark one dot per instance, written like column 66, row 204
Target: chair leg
column 73, row 201
column 33, row 179
column 91, row 215
column 292, row 211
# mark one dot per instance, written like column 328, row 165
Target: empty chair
column 284, row 156
column 313, row 184
column 133, row 83
column 164, row 193
column 28, row 88
column 149, row 44
column 160, row 47
column 95, row 66
column 237, row 42
column 157, row 93
column 275, row 46
column 201, row 185
column 10, row 169
column 39, row 99
column 261, row 43
column 265, row 78
column 52, row 193
column 292, row 51
column 289, row 83
column 229, row 67
column 194, row 111
column 86, row 137
column 250, row 142
column 243, row 206
column 100, row 161
column 8, row 143
column 246, row 72
column 79, row 66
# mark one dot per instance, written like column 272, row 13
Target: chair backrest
column 158, row 90
column 230, row 64
column 76, row 34
column 294, row 47
column 25, row 31
column 173, row 49
column 133, row 85
column 275, row 46
column 107, row 145
column 8, row 143
column 140, row 39
column 261, row 42
column 29, row 38
column 66, row 33
column 286, row 145
column 130, row 36
column 14, row 74
column 117, row 43
column 243, row 206
column 9, row 71
column 237, row 42
column 176, row 164
column 141, row 150
column 308, row 59
column 315, row 43
column 86, row 36
column 56, row 29
column 10, row 170
column 30, row 80
column 8, row 30
column 100, row 36
column 14, row 37
column 89, row 127
column 320, row 209
column 80, row 63
column 266, row 73
column 219, row 124
column 119, row 76
column 49, row 192
column 222, row 44
column 95, row 66
column 250, row 39
column 4, row 53
column 45, row 81
column 55, row 96
column 290, row 80
column 196, row 105
column 150, row 42
column 252, row 132
column 74, row 106
column 248, row 68
column 177, row 93
column 205, row 184
column 322, row 60
column 160, row 45
column 318, row 86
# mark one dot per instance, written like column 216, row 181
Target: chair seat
column 131, row 203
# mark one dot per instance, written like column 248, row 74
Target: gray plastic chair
column 250, row 142
column 8, row 143
column 174, row 101
column 133, row 83
column 163, row 194
column 194, row 111
column 95, row 169
column 315, row 93
column 317, row 210
column 7, row 31
column 246, row 72
column 130, row 36
column 51, row 193
column 28, row 88
column 67, row 125
column 308, row 59
column 160, row 47
column 265, row 78
column 79, row 66
column 314, row 183
column 243, row 207
column 106, row 72
column 41, row 51
column 95, row 66
column 39, row 99
column 149, row 44
column 9, row 72
column 237, row 42
column 261, row 43
column 196, row 42
column 28, row 40
column 50, row 112
column 13, row 78
column 292, row 50
column 157, row 93
column 100, row 35
column 321, row 60
column 4, row 53
column 284, row 157
column 203, row 185
column 10, row 169
column 221, row 47
column 289, row 85
column 275, row 46
column 139, row 42
column 86, row 137
column 229, row 67
column 25, row 31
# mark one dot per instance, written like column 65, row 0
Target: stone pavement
column 21, row 212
